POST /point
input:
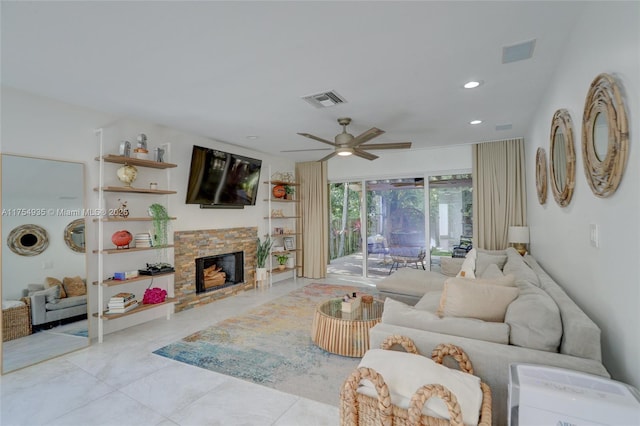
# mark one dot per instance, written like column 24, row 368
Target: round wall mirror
column 74, row 235
column 605, row 136
column 28, row 240
column 541, row 175
column 563, row 159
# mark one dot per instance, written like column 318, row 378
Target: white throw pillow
column 405, row 373
column 468, row 266
column 486, row 302
column 491, row 272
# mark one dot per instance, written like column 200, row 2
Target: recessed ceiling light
column 472, row 84
column 475, row 122
column 252, row 137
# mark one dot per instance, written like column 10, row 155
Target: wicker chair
column 357, row 409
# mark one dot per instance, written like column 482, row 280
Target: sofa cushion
column 411, row 281
column 534, row 319
column 67, row 302
column 468, row 266
column 52, row 295
column 504, row 281
column 450, row 266
column 515, row 265
column 487, row 302
column 492, row 272
column 50, row 282
column 398, row 313
column 484, row 259
column 74, row 286
column 405, row 373
column 430, row 301
column 580, row 335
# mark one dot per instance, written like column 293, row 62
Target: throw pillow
column 450, row 266
column 52, row 295
column 486, row 302
column 74, row 286
column 504, row 281
column 468, row 266
column 484, row 259
column 50, row 282
column 491, row 272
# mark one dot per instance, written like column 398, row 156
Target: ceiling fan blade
column 304, row 150
column 333, row 154
column 394, row 145
column 307, row 135
column 364, row 154
column 366, row 136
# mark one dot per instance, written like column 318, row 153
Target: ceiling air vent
column 518, row 52
column 504, row 127
column 324, row 99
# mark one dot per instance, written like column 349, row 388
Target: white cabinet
column 124, row 207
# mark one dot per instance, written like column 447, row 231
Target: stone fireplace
column 211, row 243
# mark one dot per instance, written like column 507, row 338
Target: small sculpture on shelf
column 277, row 213
column 127, row 174
column 122, row 239
column 122, row 210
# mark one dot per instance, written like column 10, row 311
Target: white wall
column 41, row 127
column 604, row 281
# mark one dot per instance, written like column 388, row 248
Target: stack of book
column 143, row 240
column 121, row 303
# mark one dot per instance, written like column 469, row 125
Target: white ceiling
column 227, row 70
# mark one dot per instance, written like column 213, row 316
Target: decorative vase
column 127, row 174
column 279, row 191
column 261, row 274
column 122, row 238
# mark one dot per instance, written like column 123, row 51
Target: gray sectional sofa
column 47, row 306
column 541, row 326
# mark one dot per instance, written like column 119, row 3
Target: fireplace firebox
column 219, row 271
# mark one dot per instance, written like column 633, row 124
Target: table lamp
column 519, row 237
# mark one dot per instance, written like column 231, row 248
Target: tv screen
column 221, row 178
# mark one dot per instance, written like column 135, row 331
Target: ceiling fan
column 346, row 144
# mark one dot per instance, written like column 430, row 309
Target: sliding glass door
column 345, row 230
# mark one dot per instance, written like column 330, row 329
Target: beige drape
column 499, row 197
column 314, row 217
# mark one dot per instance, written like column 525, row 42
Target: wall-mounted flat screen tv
column 222, row 179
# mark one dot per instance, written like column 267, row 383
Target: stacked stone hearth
column 190, row 245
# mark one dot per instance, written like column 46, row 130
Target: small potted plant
column 288, row 192
column 262, row 253
column 282, row 260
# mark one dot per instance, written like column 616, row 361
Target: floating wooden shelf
column 127, row 219
column 137, row 309
column 280, row 200
column 111, row 283
column 276, row 271
column 131, row 189
column 282, row 217
column 284, row 235
column 121, row 159
column 129, row 250
column 281, row 182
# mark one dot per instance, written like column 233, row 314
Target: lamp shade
column 519, row 234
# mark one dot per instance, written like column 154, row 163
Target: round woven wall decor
column 562, row 167
column 28, row 240
column 605, row 136
column 541, row 175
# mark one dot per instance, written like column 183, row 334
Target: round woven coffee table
column 343, row 333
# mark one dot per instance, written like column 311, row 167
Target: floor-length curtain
column 499, row 197
column 314, row 217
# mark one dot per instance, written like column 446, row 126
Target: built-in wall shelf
column 129, row 250
column 136, row 310
column 132, row 161
column 131, row 189
column 111, row 283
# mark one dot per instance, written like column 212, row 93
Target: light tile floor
column 121, row 382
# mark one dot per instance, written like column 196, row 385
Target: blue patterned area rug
column 271, row 345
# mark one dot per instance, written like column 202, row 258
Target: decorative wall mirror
column 605, row 136
column 74, row 235
column 562, row 170
column 541, row 175
column 28, row 240
column 45, row 202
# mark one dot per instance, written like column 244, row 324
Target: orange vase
column 279, row 191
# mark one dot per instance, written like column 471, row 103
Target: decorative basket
column 359, row 409
column 16, row 322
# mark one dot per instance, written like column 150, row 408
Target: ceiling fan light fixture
column 344, row 151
